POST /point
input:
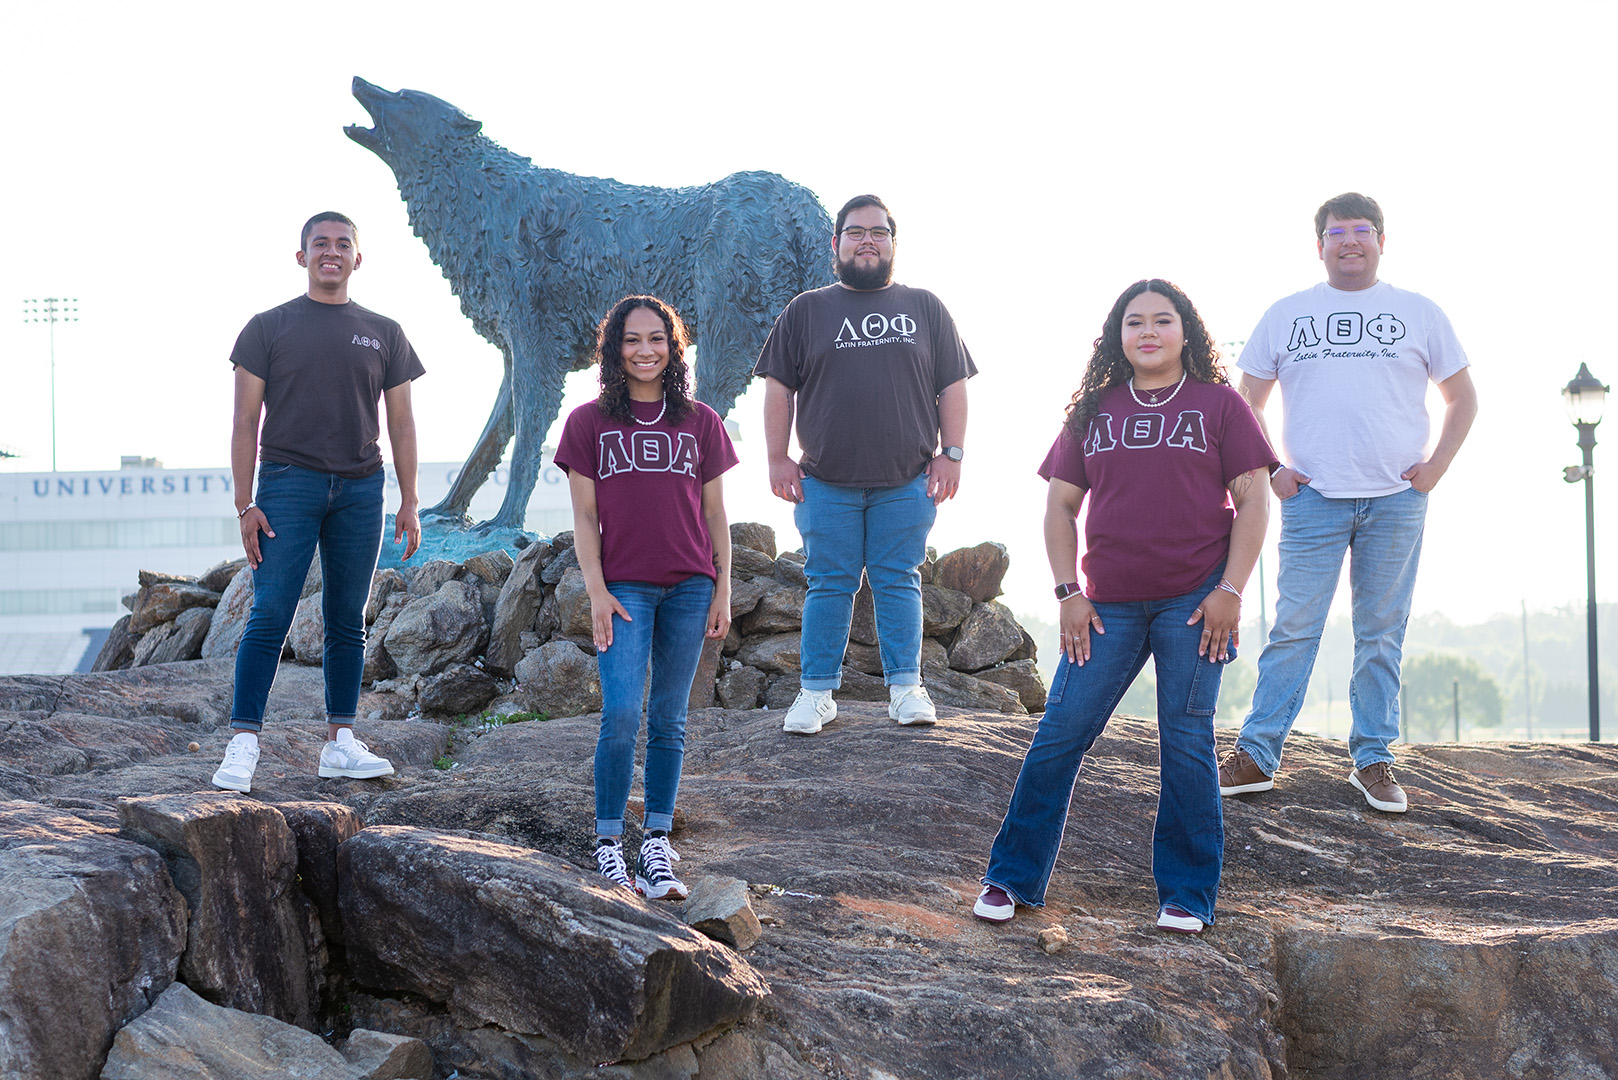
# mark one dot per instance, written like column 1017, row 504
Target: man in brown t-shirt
column 316, row 368
column 876, row 374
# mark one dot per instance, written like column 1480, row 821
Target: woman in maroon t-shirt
column 644, row 462
column 1174, row 465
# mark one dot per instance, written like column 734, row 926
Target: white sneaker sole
column 913, row 721
column 670, row 890
column 814, row 726
column 329, row 771
column 1386, row 807
column 993, row 912
column 220, row 780
column 1243, row 789
column 1179, row 924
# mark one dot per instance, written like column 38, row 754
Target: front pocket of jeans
column 270, row 469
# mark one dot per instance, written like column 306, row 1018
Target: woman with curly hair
column 1175, row 468
column 644, row 462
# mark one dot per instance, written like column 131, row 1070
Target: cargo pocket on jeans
column 1205, row 686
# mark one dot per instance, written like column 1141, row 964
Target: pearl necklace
column 659, row 416
column 1154, row 403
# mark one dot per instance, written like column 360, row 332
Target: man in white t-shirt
column 1353, row 357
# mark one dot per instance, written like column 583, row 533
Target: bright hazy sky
column 162, row 156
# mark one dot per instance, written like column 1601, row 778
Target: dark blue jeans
column 1188, row 841
column 665, row 634
column 343, row 518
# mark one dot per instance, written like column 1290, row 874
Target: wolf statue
column 537, row 256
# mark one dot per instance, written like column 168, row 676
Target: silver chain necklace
column 1154, row 403
column 664, row 409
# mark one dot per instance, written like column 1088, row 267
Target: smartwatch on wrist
column 954, row 453
column 1068, row 591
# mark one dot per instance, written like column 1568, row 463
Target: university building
column 72, row 544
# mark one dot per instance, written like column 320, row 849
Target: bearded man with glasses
column 1353, row 357
column 876, row 375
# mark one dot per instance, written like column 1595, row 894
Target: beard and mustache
column 874, row 277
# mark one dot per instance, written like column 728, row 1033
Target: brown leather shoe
column 1381, row 789
column 1239, row 774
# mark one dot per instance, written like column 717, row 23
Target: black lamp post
column 1585, row 397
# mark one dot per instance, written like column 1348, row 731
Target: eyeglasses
column 1363, row 233
column 856, row 234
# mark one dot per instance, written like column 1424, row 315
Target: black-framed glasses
column 856, row 233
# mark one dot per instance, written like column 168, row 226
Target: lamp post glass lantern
column 1586, row 398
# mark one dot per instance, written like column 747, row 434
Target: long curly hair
column 614, row 397
column 1108, row 366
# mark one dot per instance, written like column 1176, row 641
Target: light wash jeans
column 1188, row 841
column 1382, row 537
column 665, row 632
column 344, row 518
column 882, row 531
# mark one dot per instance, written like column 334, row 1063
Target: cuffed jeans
column 665, row 632
column 883, row 532
column 343, row 517
column 1188, row 841
column 1382, row 537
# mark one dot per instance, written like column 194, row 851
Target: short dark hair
column 1346, row 207
column 326, row 215
column 856, row 203
column 613, row 400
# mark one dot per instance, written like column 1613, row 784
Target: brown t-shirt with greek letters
column 324, row 368
column 867, row 368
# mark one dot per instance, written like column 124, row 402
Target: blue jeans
column 1383, row 537
column 344, row 518
column 882, row 531
column 1188, row 841
column 665, row 630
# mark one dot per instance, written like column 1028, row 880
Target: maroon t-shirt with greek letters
column 649, row 481
column 1159, row 517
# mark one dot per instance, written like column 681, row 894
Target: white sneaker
column 812, row 710
column 911, row 705
column 353, row 759
column 241, row 758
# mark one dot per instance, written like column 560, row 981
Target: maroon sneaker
column 1177, row 920
column 994, row 905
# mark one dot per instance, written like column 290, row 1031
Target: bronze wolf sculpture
column 537, row 256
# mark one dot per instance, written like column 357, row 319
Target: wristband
column 243, row 511
column 1228, row 587
column 1068, row 591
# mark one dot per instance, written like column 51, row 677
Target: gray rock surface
column 636, row 981
column 229, row 618
column 91, row 931
column 975, row 571
column 438, row 629
column 307, row 636
column 172, row 641
column 184, row 1037
column 988, row 635
column 561, row 679
column 458, row 689
column 719, row 907
column 253, row 934
column 751, row 534
column 514, row 611
column 163, row 600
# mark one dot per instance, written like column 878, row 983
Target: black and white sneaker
column 653, row 874
column 610, row 860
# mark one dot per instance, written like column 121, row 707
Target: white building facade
column 72, row 544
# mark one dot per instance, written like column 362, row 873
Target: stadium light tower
column 52, row 310
column 1585, row 398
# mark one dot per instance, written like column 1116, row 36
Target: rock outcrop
column 516, row 632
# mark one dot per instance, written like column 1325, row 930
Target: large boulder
column 616, row 978
column 975, row 571
column 435, row 631
column 229, row 617
column 514, row 610
column 91, row 931
column 307, row 637
column 119, row 648
column 253, row 934
column 780, row 609
column 172, row 641
column 184, row 1037
column 160, row 602
column 561, row 679
column 457, row 690
column 988, row 635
